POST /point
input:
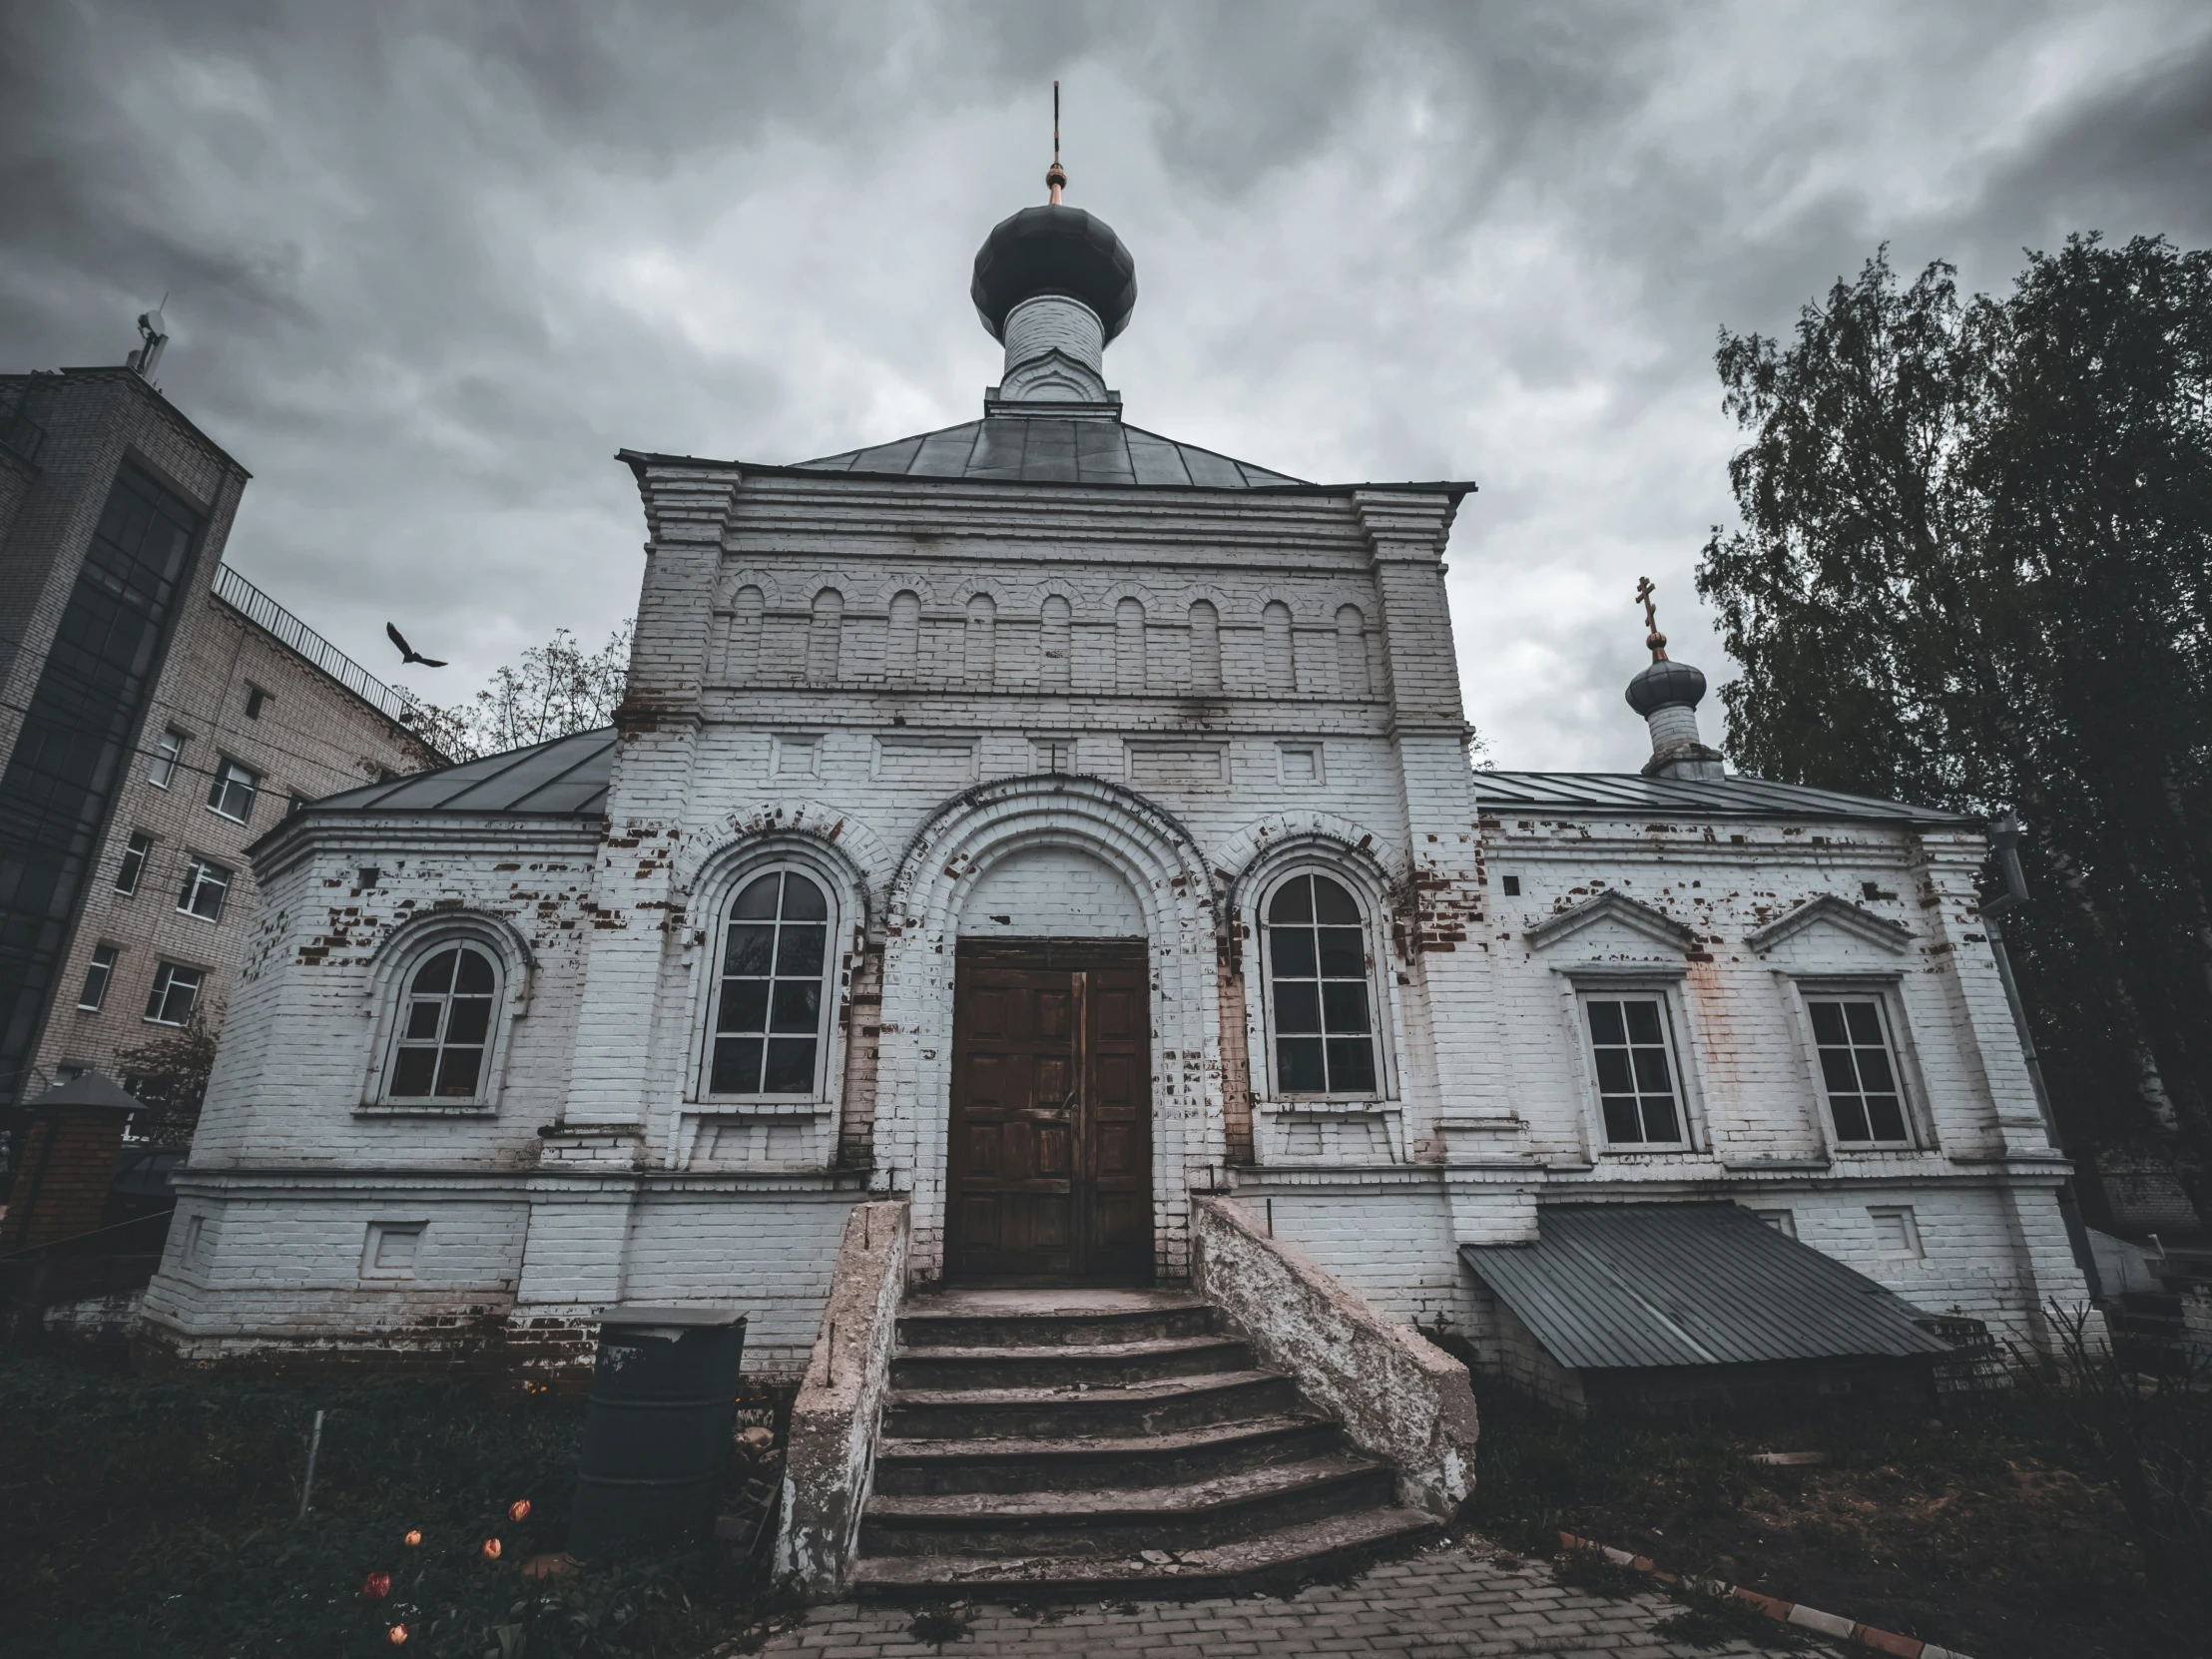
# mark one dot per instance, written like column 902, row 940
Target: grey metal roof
column 1735, row 797
column 1034, row 449
column 566, row 777
column 1631, row 1284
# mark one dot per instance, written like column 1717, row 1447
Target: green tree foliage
column 557, row 688
column 1975, row 570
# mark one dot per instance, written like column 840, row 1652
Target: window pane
column 1605, row 1023
column 790, row 1066
column 1351, row 1065
column 474, row 976
column 744, row 1006
column 1298, row 1060
column 803, row 901
column 799, row 951
column 1828, row 1023
column 1333, row 905
column 737, row 1066
column 750, row 950
column 1622, row 1126
column 1866, row 1024
column 1874, row 1072
column 1886, row 1117
column 1851, row 1117
column 457, row 1072
column 1612, row 1071
column 1643, row 1021
column 411, row 1073
column 1836, row 1071
column 1342, row 954
column 757, row 901
column 470, row 1020
column 1651, row 1071
column 422, row 1020
column 436, row 976
column 1293, row 950
column 1343, row 1008
column 1659, row 1124
column 798, row 1006
column 1295, row 903
column 1297, row 1009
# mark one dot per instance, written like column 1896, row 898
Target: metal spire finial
column 1055, row 176
column 1654, row 639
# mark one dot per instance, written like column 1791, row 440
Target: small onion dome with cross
column 1054, row 250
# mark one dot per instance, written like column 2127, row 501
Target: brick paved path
column 1449, row 1601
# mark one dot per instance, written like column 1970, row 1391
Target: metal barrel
column 658, row 1430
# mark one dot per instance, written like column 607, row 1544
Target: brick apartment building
column 157, row 712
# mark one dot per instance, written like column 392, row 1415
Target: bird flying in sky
column 407, row 653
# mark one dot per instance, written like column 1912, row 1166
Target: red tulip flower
column 519, row 1509
column 377, row 1586
column 491, row 1549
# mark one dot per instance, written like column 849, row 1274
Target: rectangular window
column 1635, row 1070
column 206, row 887
column 1897, row 1233
column 255, row 699
column 391, row 1249
column 96, row 974
column 195, row 1233
column 1781, row 1220
column 168, row 747
column 129, row 873
column 231, row 793
column 1859, row 1070
column 176, row 989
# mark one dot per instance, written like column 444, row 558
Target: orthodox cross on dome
column 1055, row 176
column 1653, row 638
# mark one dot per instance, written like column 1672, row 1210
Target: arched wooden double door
column 1050, row 1161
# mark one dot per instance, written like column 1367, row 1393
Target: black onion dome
column 1054, row 250
column 1664, row 684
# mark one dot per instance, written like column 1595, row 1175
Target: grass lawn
column 156, row 1518
column 1981, row 1530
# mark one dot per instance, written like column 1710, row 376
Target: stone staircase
column 1066, row 1444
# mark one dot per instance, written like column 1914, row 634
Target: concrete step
column 1126, row 1521
column 1323, row 1547
column 1048, row 1319
column 1096, row 1364
column 1147, row 1408
column 1085, row 1463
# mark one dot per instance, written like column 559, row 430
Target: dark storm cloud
column 431, row 264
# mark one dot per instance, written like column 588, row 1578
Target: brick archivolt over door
column 1150, row 851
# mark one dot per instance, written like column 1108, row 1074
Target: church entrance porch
column 1049, row 1158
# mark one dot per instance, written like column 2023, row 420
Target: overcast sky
column 431, row 266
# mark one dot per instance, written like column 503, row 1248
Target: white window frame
column 402, row 957
column 836, row 966
column 103, row 962
column 132, row 848
column 1381, row 1004
column 1662, row 982
column 1884, row 989
column 219, row 788
column 198, row 868
column 168, row 753
column 165, row 977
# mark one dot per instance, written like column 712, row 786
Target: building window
column 98, row 972
column 1859, row 1070
column 176, row 990
column 255, row 700
column 1317, row 962
column 1635, row 1070
column 391, row 1249
column 133, row 867
column 1897, row 1233
column 1781, row 1220
column 231, row 793
column 167, row 749
column 769, row 1015
column 446, row 1028
column 206, row 887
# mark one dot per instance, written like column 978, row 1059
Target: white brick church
column 1046, row 820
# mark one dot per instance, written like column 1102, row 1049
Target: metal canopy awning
column 1638, row 1284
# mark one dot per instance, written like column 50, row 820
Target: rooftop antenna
column 153, row 335
column 1653, row 638
column 1055, row 176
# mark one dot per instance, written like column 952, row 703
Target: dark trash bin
column 658, row 1431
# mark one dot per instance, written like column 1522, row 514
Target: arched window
column 445, row 1029
column 981, row 660
column 906, row 633
column 1318, row 994
column 1204, row 646
column 1279, row 646
column 743, row 661
column 1055, row 645
column 1129, row 673
column 770, row 1011
column 825, row 637
column 1351, row 652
